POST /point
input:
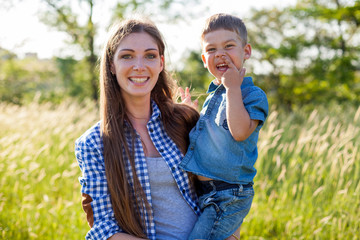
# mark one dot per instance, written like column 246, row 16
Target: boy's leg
column 234, row 205
column 205, row 223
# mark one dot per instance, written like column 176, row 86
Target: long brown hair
column 129, row 203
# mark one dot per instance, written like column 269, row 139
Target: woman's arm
column 235, row 235
column 123, row 236
column 96, row 202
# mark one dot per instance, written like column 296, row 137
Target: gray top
column 174, row 219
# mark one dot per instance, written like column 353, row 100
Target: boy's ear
column 204, row 60
column 247, row 51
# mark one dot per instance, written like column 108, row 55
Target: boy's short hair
column 225, row 21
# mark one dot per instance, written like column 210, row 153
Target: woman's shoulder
column 92, row 136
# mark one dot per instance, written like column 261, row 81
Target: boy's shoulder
column 248, row 87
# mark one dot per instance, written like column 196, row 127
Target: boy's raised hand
column 186, row 98
column 232, row 77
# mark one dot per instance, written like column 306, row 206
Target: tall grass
column 308, row 182
column 307, row 186
column 39, row 190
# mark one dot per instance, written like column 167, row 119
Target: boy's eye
column 210, row 50
column 229, row 45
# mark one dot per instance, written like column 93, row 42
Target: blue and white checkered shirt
column 89, row 154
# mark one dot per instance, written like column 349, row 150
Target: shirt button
column 195, row 208
column 161, row 150
column 151, row 130
column 173, row 168
column 183, row 191
column 191, row 148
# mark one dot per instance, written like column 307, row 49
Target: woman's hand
column 186, row 98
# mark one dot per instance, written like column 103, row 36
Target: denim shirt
column 213, row 152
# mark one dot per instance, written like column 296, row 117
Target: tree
column 312, row 51
column 61, row 16
column 23, row 80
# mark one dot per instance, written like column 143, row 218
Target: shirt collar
column 155, row 113
column 247, row 81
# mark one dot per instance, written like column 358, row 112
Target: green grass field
column 307, row 186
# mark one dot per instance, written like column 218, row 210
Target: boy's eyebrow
column 229, row 40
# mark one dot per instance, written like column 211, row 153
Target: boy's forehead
column 219, row 35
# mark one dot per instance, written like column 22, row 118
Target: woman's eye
column 150, row 56
column 126, row 56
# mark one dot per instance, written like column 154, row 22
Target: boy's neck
column 217, row 82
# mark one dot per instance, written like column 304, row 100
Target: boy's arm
column 238, row 119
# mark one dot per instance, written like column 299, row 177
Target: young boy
column 223, row 145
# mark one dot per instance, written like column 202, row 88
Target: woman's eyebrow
column 132, row 50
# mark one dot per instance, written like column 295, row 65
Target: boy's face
column 219, row 43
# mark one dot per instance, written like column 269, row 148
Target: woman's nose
column 139, row 65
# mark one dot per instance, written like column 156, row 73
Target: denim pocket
column 208, row 199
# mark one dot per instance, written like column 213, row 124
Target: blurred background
column 305, row 57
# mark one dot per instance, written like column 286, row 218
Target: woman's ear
column 162, row 62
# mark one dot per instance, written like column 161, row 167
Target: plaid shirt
column 89, row 154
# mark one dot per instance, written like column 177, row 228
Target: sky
column 22, row 32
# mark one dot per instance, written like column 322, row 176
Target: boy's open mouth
column 222, row 67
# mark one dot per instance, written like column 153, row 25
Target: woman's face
column 137, row 64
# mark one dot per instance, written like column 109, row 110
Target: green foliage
column 157, row 10
column 312, row 50
column 61, row 16
column 75, row 76
column 22, row 80
column 307, row 185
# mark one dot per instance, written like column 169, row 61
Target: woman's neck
column 139, row 111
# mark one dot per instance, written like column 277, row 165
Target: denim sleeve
column 256, row 103
column 93, row 183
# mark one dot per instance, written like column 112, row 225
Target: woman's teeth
column 139, row 80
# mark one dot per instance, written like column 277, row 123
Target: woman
column 137, row 145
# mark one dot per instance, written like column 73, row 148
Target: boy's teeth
column 222, row 65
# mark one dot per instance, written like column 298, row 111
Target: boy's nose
column 219, row 54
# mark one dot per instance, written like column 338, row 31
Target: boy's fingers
column 187, row 91
column 228, row 61
column 181, row 90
